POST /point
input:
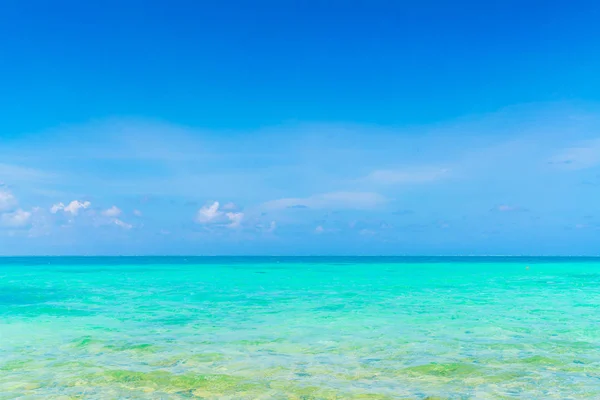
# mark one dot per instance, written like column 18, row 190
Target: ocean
column 299, row 328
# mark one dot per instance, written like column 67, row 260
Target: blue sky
column 265, row 127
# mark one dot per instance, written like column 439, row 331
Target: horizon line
column 297, row 256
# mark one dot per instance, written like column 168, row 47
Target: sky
column 300, row 128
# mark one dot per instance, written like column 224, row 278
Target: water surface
column 299, row 328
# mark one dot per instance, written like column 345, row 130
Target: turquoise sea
column 299, row 328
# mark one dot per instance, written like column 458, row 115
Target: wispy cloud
column 114, row 211
column 585, row 155
column 508, row 208
column 235, row 219
column 7, row 200
column 323, row 229
column 122, row 224
column 298, row 174
column 229, row 206
column 266, row 227
column 298, row 207
column 12, row 216
column 18, row 173
column 339, row 200
column 17, row 219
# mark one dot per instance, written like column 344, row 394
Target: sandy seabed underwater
column 299, row 328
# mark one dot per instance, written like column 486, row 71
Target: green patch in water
column 448, row 370
column 14, row 365
column 193, row 359
column 207, row 357
column 306, row 392
column 170, row 382
column 73, row 365
column 271, row 373
column 138, row 348
column 541, row 361
column 293, row 391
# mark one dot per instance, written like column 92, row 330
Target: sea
column 299, row 328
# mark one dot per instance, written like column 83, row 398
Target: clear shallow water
column 306, row 328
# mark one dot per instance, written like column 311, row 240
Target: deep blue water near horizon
column 299, row 327
column 200, row 260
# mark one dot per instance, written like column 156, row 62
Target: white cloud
column 73, row 207
column 114, row 211
column 7, row 200
column 235, row 218
column 16, row 219
column 347, row 200
column 122, row 224
column 272, row 227
column 319, row 229
column 208, row 213
column 410, row 175
column 137, row 213
column 57, row 207
column 211, row 214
